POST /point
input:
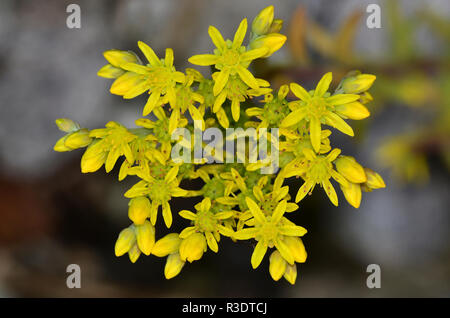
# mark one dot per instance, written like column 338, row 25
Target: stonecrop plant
column 238, row 201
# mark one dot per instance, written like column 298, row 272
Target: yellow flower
column 295, row 144
column 159, row 78
column 318, row 169
column 267, row 201
column 159, row 190
column 237, row 91
column 275, row 109
column 207, row 223
column 115, row 140
column 269, row 231
column 318, row 107
column 230, row 58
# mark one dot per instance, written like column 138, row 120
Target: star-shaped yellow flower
column 230, row 58
column 318, row 107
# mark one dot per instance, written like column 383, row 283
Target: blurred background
column 51, row 215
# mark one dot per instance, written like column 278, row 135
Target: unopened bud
column 78, row 139
column 263, row 21
column 354, row 110
column 139, row 209
column 125, row 241
column 291, row 273
column 352, row 193
column 374, row 180
column 145, row 236
column 358, row 84
column 169, row 244
column 174, row 265
column 273, row 42
column 296, row 248
column 67, row 125
column 193, row 247
column 277, row 265
column 350, row 169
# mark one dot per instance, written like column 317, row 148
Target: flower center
column 205, row 221
column 317, row 107
column 320, row 169
column 213, row 189
column 159, row 191
column 268, row 232
column 231, row 58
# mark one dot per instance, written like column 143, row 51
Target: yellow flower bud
column 296, row 247
column 354, row 110
column 277, row 265
column 374, row 180
column 167, row 245
column 145, row 236
column 273, row 42
column 276, row 26
column 358, row 84
column 139, row 209
column 291, row 273
column 60, row 146
column 134, row 253
column 78, row 139
column 261, row 24
column 91, row 163
column 174, row 265
column 193, row 247
column 117, row 57
column 365, row 98
column 352, row 194
column 109, row 71
column 125, row 241
column 350, row 169
column 67, row 125
column 125, row 82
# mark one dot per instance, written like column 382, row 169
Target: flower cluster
column 238, row 202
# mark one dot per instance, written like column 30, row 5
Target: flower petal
column 329, row 190
column 220, row 81
column 216, row 37
column 258, row 254
column 314, row 131
column 323, row 84
column 293, row 118
column 204, row 59
column 212, row 243
column 149, row 54
column 278, row 212
column 240, row 34
column 256, row 211
column 247, row 77
column 284, row 251
column 300, row 92
column 338, row 123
